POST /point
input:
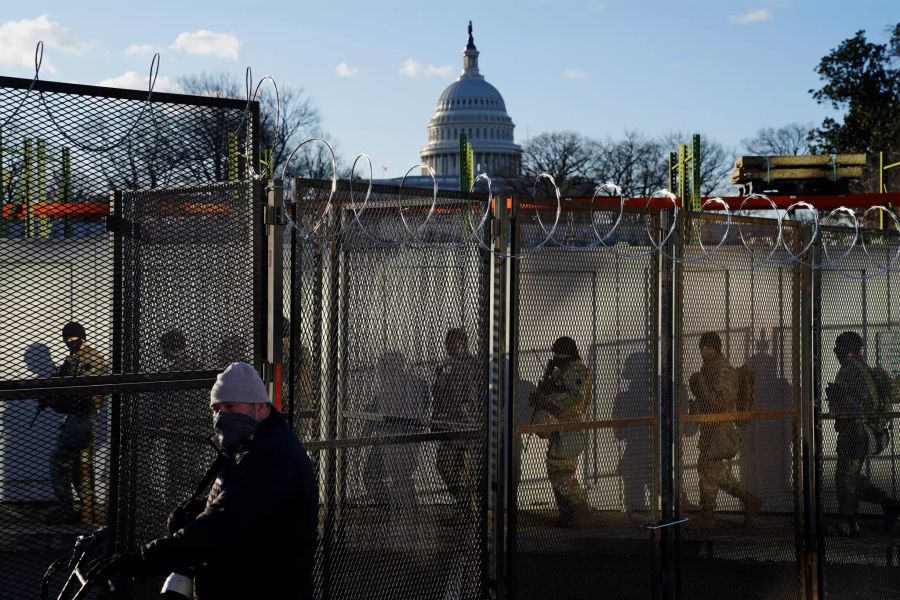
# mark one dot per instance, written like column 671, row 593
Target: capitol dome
column 472, row 106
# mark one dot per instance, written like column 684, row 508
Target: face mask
column 233, row 428
column 74, row 346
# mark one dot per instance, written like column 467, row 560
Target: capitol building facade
column 472, row 106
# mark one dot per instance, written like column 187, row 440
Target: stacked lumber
column 748, row 169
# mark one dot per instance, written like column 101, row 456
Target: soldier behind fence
column 173, row 347
column 401, row 401
column 857, row 389
column 304, row 400
column 634, row 401
column 563, row 395
column 455, row 395
column 72, row 461
column 716, row 389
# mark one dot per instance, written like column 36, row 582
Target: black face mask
column 74, row 346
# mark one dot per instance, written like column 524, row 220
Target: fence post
column 274, row 227
column 667, row 458
column 500, row 406
column 511, row 442
column 810, row 409
column 115, row 410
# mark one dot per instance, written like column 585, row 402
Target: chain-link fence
column 583, row 393
column 739, row 413
column 856, row 448
column 642, row 416
column 388, row 352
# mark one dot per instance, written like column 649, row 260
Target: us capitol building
column 472, row 106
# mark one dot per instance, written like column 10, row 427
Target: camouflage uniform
column 715, row 387
column 566, row 393
column 456, row 400
column 855, row 390
column 72, row 460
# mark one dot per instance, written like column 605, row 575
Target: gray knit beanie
column 239, row 382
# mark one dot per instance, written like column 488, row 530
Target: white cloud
column 140, row 50
column 345, row 70
column 573, row 74
column 208, row 43
column 752, row 16
column 413, row 69
column 19, row 38
column 131, row 80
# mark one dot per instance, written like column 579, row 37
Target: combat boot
column 706, row 519
column 848, row 528
column 752, row 504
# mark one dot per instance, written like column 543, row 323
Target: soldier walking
column 563, row 396
column 716, row 388
column 856, row 390
column 456, row 400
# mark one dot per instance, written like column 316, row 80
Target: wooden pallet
column 781, row 174
column 803, row 160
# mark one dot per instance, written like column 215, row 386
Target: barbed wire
column 548, row 231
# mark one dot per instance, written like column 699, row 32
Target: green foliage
column 863, row 79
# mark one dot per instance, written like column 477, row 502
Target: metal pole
column 512, row 442
column 274, row 224
column 115, row 426
column 484, row 307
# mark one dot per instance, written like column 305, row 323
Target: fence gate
column 604, row 452
column 745, row 300
column 388, row 348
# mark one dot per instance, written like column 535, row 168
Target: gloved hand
column 106, row 567
column 184, row 514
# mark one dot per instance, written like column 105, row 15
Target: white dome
column 471, row 106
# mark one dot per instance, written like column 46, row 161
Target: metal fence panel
column 856, row 295
column 400, row 424
column 584, row 483
column 744, row 536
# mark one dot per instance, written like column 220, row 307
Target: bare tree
column 635, row 163
column 297, row 120
column 789, row 140
column 566, row 156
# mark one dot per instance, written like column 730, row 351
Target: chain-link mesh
column 188, row 264
column 389, row 359
column 857, row 448
column 739, row 430
column 584, row 398
column 64, row 258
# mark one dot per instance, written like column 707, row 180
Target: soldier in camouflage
column 455, row 394
column 855, row 391
column 563, row 396
column 715, row 389
column 72, row 461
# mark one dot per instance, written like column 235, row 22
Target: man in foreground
column 256, row 535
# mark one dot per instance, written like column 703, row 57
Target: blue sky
column 599, row 67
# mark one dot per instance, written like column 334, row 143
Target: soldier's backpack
column 746, row 391
column 888, row 394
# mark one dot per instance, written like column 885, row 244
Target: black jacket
column 257, row 536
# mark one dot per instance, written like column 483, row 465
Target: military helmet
column 456, row 336
column 849, row 342
column 711, row 339
column 172, row 341
column 73, row 329
column 565, row 345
